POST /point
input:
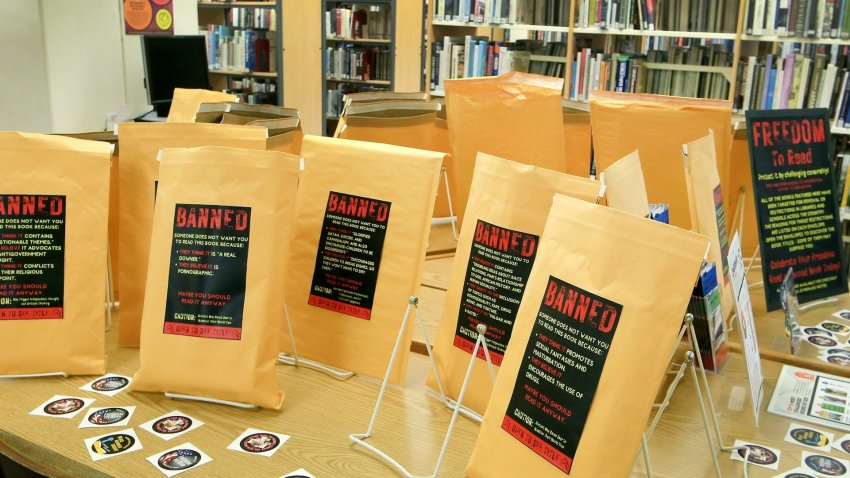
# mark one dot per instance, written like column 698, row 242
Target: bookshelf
column 358, row 51
column 243, row 48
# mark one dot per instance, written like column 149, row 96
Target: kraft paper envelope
column 402, row 123
column 707, row 209
column 140, row 144
column 657, row 126
column 576, row 141
column 358, row 247
column 595, row 330
column 508, row 206
column 214, row 303
column 624, row 186
column 516, row 115
column 283, row 124
column 54, row 209
column 185, row 103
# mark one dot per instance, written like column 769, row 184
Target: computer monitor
column 178, row 61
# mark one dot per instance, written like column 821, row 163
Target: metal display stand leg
column 818, row 303
column 295, row 361
column 359, row 438
column 445, row 174
column 110, row 288
column 180, row 396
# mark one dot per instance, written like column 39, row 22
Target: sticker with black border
column 810, row 437
column 62, row 406
column 842, row 444
column 299, row 473
column 258, row 442
column 835, row 359
column 760, row 455
column 795, row 473
column 842, row 314
column 178, row 459
column 109, row 384
column 101, row 417
column 825, row 465
column 835, row 327
column 113, row 444
column 822, row 341
column 817, row 331
column 836, row 351
column 171, row 425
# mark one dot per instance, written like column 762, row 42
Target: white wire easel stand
column 292, row 359
column 689, row 363
column 359, row 438
column 110, row 289
column 180, row 396
column 445, row 174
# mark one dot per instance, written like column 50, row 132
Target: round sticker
column 108, row 416
column 817, row 331
column 825, row 465
column 834, row 327
column 172, row 424
column 844, row 352
column 162, row 2
column 845, row 445
column 163, row 19
column 179, row 459
column 63, row 406
column 759, row 455
column 797, row 475
column 839, row 360
column 259, row 442
column 112, row 444
column 809, row 437
column 821, row 340
column 138, row 13
column 109, row 384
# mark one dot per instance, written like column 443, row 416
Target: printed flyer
column 798, row 223
column 560, row 371
column 813, row 397
column 209, row 264
column 32, row 256
column 349, row 255
column 499, row 264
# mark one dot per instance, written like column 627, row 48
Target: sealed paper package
column 625, row 188
column 413, row 124
column 576, row 140
column 516, row 115
column 54, row 208
column 708, row 215
column 508, row 206
column 140, row 144
column 580, row 376
column 283, row 124
column 214, row 301
column 364, row 215
column 185, row 103
column 657, row 126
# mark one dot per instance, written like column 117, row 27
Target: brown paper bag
column 283, row 124
column 576, row 140
column 508, row 206
column 54, row 206
column 364, row 214
column 140, row 143
column 402, row 123
column 581, row 362
column 214, row 303
column 624, row 186
column 657, row 126
column 185, row 103
column 708, row 214
column 516, row 115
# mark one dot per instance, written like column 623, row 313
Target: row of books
column 799, row 18
column 798, row 76
column 350, row 62
column 636, row 73
column 252, row 18
column 254, row 90
column 359, row 21
column 676, row 15
column 239, row 50
column 473, row 56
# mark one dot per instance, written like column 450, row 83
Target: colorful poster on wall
column 149, row 17
column 798, row 222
